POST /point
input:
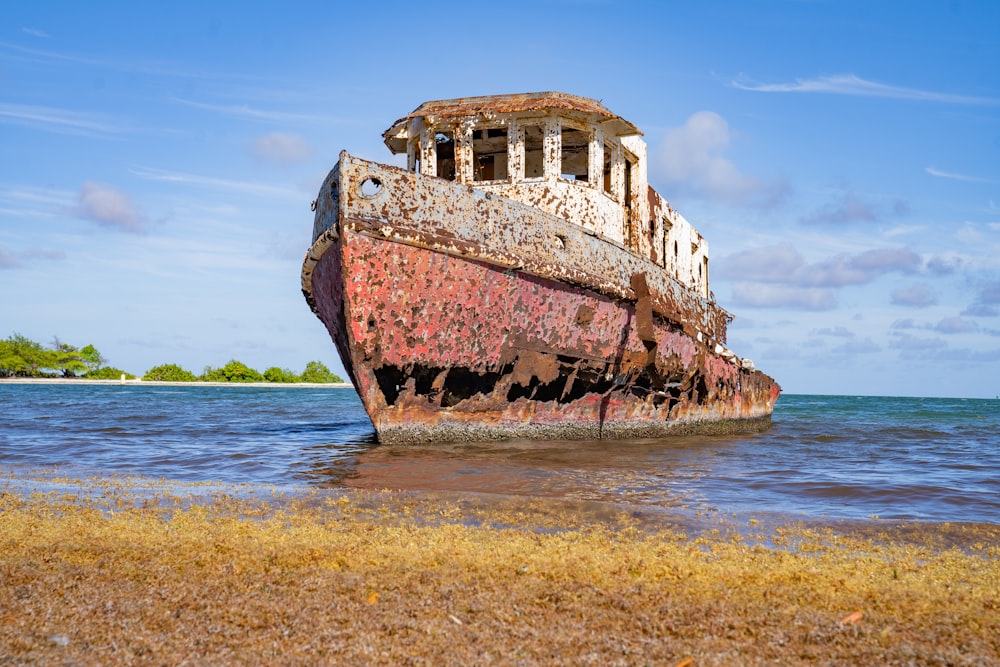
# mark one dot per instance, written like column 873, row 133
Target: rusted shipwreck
column 520, row 279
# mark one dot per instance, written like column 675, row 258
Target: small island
column 25, row 359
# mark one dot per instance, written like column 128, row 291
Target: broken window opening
column 609, row 160
column 575, row 154
column 489, row 154
column 534, row 162
column 445, row 145
column 664, row 239
column 704, row 261
column 629, row 165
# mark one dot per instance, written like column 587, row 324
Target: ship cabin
column 563, row 154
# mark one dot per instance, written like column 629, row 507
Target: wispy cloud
column 260, row 189
column 957, row 177
column 128, row 64
column 58, row 120
column 850, row 84
column 849, row 207
column 33, row 201
column 246, row 111
column 35, row 32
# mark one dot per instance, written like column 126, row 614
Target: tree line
column 22, row 357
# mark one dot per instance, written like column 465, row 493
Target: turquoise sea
column 824, row 458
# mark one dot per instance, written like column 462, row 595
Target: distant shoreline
column 157, row 383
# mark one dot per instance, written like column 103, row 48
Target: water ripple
column 825, row 456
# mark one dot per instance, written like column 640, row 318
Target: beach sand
column 112, row 572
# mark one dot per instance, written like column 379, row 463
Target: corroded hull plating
column 456, row 323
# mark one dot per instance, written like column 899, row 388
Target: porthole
column 370, row 187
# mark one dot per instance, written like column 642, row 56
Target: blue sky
column 841, row 158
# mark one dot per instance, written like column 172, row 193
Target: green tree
column 234, row 371
column 67, row 358
column 26, row 358
column 10, row 362
column 92, row 358
column 108, row 373
column 316, row 372
column 275, row 374
column 169, row 373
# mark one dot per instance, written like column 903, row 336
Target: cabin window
column 413, row 156
column 629, row 164
column 445, row 146
column 667, row 228
column 489, row 154
column 609, row 161
column 575, row 154
column 534, row 163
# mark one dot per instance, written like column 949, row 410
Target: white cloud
column 839, row 332
column 956, row 325
column 8, row 260
column 849, row 208
column 850, row 84
column 852, row 347
column 109, row 207
column 35, row 32
column 944, row 265
column 693, row 155
column 915, row 296
column 765, row 295
column 782, row 264
column 910, row 343
column 282, row 147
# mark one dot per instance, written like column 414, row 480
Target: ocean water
column 825, row 457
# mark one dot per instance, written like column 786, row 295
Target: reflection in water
column 650, row 472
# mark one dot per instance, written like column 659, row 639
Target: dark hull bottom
column 444, row 348
column 418, row 433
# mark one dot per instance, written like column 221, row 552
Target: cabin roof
column 512, row 103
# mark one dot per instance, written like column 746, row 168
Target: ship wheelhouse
column 566, row 155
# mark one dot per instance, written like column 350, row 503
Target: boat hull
column 443, row 346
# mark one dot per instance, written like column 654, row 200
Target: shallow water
column 828, row 457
